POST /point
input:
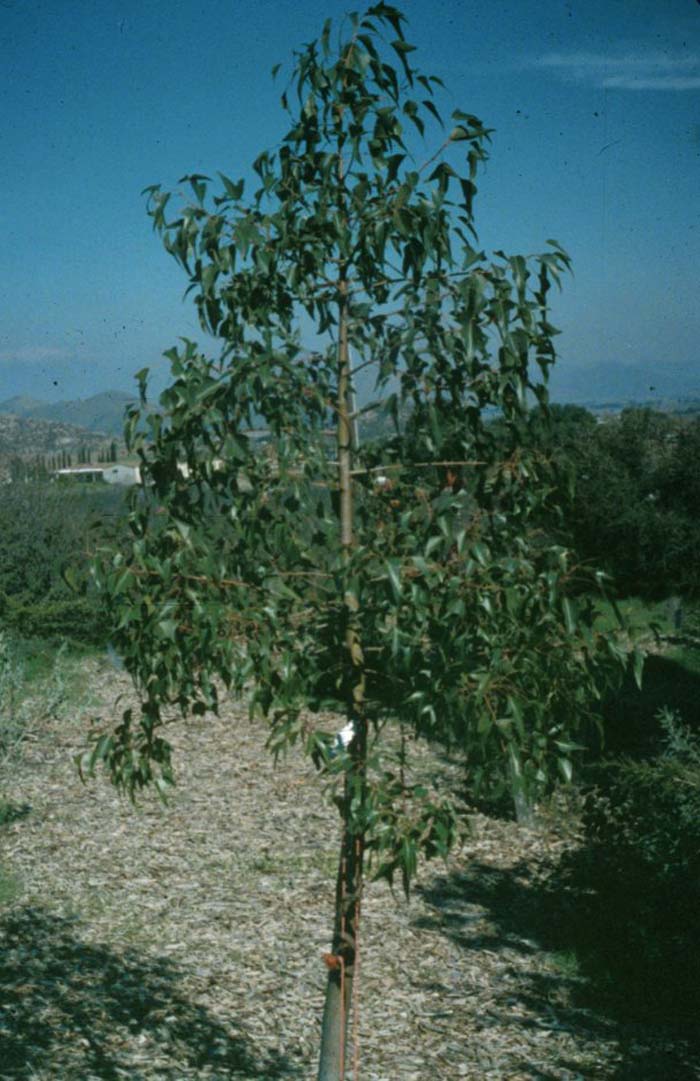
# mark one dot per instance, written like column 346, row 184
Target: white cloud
column 33, row 354
column 654, row 82
column 638, row 69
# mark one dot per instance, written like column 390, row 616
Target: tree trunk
column 343, row 958
column 341, row 962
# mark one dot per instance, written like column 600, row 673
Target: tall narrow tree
column 405, row 584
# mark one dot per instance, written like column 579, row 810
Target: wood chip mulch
column 185, row 941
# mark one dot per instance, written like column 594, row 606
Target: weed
column 566, row 963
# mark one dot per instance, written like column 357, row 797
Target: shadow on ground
column 531, row 917
column 72, row 1010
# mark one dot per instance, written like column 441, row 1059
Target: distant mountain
column 653, row 384
column 102, row 413
column 21, row 405
column 661, row 385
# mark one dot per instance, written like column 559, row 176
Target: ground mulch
column 185, row 941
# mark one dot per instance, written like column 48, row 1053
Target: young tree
column 405, row 583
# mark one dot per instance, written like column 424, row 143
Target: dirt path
column 185, row 941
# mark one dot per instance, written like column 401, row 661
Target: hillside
column 25, row 437
column 21, row 405
column 102, row 413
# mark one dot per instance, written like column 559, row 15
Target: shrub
column 79, row 618
column 642, row 859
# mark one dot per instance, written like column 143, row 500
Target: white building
column 112, row 474
column 121, row 474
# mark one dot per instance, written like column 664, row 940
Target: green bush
column 48, row 534
column 79, row 618
column 642, row 862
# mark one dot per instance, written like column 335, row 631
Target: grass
column 50, row 673
column 644, row 617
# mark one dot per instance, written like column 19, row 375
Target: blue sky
column 596, row 111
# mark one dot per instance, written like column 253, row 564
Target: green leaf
column 233, row 190
column 430, row 106
column 70, row 577
column 569, row 615
column 443, row 173
column 481, row 553
column 403, row 49
column 388, row 13
column 393, row 572
column 167, row 628
column 566, row 769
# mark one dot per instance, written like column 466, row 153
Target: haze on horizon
column 596, row 111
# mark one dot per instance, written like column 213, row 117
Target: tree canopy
column 406, row 584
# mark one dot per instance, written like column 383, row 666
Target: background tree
column 49, row 532
column 635, row 495
column 405, row 584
